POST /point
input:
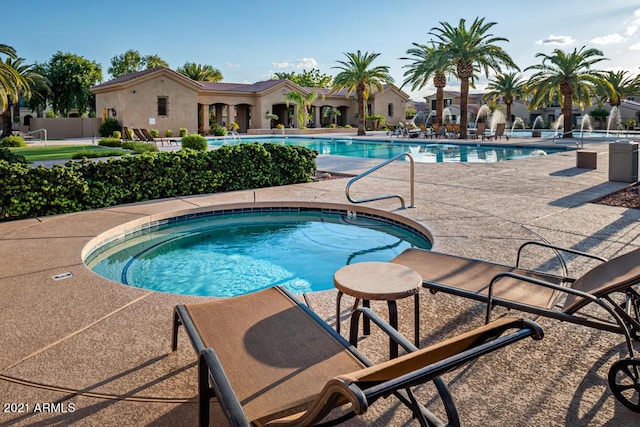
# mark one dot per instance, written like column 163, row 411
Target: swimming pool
column 423, row 152
column 234, row 252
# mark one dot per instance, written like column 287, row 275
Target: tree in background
column 304, row 104
column 618, row 86
column 29, row 79
column 71, row 76
column 468, row 48
column 566, row 78
column 508, row 87
column 425, row 66
column 311, row 78
column 131, row 62
column 359, row 76
column 8, row 78
column 200, row 73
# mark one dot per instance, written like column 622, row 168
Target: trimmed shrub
column 8, row 156
column 168, row 133
column 218, row 130
column 110, row 142
column 154, row 133
column 139, row 147
column 108, row 127
column 183, row 132
column 93, row 154
column 13, row 141
column 117, row 134
column 195, row 142
column 85, row 184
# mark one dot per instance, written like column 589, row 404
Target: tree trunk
column 508, row 111
column 361, row 109
column 464, row 101
column 7, row 126
column 439, row 81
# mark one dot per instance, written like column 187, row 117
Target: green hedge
column 30, row 192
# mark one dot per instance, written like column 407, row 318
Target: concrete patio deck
column 101, row 351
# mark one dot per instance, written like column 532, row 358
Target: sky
column 250, row 40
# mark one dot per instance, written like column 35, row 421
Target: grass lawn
column 61, row 152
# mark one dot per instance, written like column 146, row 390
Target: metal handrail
column 39, row 130
column 561, row 135
column 388, row 196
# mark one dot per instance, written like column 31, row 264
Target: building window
column 390, row 109
column 163, row 104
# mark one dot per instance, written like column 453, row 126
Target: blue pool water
column 423, row 152
column 237, row 253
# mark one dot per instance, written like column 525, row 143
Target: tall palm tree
column 304, row 104
column 200, row 73
column 359, row 76
column 508, row 86
column 468, row 48
column 31, row 82
column 620, row 85
column 567, row 78
column 8, row 78
column 425, row 66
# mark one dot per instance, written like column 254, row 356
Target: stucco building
column 161, row 98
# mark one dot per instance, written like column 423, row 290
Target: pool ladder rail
column 388, row 196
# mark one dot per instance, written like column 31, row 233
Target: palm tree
column 8, row 78
column 358, row 76
column 567, row 78
column 620, row 85
column 304, row 104
column 200, row 73
column 508, row 86
column 30, row 82
column 425, row 65
column 468, row 48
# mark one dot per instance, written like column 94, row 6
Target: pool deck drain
column 105, row 347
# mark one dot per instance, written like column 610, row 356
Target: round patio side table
column 379, row 281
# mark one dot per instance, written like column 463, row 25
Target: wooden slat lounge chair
column 269, row 360
column 439, row 131
column 151, row 139
column 139, row 135
column 499, row 132
column 609, row 285
column 126, row 134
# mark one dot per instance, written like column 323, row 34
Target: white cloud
column 231, row 65
column 608, row 39
column 634, row 25
column 635, row 46
column 557, row 40
column 303, row 63
column 306, row 63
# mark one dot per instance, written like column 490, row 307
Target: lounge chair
column 539, row 293
column 139, row 135
column 267, row 358
column 392, row 130
column 439, row 131
column 126, row 134
column 479, row 131
column 499, row 132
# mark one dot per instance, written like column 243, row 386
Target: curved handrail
column 388, row 196
column 39, row 130
column 561, row 135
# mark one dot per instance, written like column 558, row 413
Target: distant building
column 161, row 98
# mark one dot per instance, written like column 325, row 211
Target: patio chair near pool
column 499, row 132
column 270, row 360
column 609, row 285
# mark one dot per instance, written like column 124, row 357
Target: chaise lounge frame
column 222, row 372
column 599, row 286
